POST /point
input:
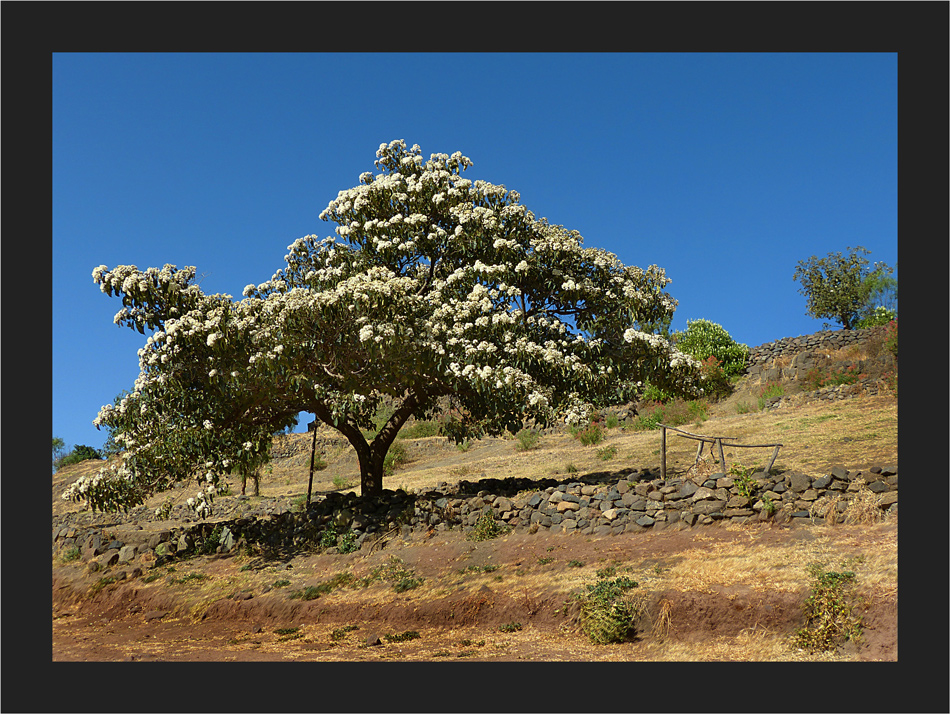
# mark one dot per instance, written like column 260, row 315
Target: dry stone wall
column 793, row 357
column 591, row 506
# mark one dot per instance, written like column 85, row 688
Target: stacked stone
column 635, row 502
column 766, row 354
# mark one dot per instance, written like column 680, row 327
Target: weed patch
column 528, row 440
column 606, row 613
column 486, row 528
column 403, row 637
column 830, row 611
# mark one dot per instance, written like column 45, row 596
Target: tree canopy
column 433, row 287
column 842, row 287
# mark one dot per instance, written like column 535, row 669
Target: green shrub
column 606, row 613
column 396, row 456
column 528, row 439
column 652, row 393
column 703, row 339
column 486, row 528
column 830, row 611
column 716, row 383
column 771, row 389
column 593, row 434
column 340, row 632
column 407, row 583
column 344, row 542
column 404, row 637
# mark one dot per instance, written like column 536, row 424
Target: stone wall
column 793, row 357
column 593, row 505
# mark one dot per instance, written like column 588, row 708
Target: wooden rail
column 712, row 441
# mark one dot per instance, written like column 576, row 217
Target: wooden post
column 699, row 451
column 313, row 451
column 772, row 460
column 722, row 459
column 663, row 453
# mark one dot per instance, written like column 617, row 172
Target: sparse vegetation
column 607, row 453
column 593, row 434
column 486, row 528
column 403, row 637
column 340, row 632
column 395, row 457
column 528, row 439
column 830, row 610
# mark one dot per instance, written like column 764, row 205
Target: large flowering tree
column 434, row 286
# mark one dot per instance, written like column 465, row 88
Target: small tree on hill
column 703, row 339
column 434, row 287
column 841, row 287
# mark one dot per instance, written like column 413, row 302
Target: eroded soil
column 722, row 593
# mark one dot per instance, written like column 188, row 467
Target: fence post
column 663, row 453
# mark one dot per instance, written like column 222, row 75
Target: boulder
column 799, row 482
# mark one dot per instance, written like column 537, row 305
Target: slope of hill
column 727, row 591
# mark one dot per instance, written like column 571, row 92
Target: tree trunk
column 371, row 455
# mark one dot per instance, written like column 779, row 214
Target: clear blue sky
column 724, row 169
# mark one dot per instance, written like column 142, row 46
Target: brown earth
column 716, row 593
column 725, row 594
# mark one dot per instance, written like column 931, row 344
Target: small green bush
column 606, row 614
column 340, row 632
column 703, row 339
column 528, row 439
column 407, row 583
column 486, row 528
column 593, row 434
column 79, row 454
column 395, row 457
column 880, row 316
column 830, row 611
column 404, row 637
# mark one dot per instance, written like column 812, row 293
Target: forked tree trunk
column 371, row 455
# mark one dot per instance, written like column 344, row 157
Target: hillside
column 729, row 590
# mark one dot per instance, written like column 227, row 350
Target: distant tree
column 78, row 454
column 59, row 448
column 840, row 287
column 439, row 288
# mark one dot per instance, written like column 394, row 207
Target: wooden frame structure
column 713, row 441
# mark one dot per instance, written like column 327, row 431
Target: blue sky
column 724, row 169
